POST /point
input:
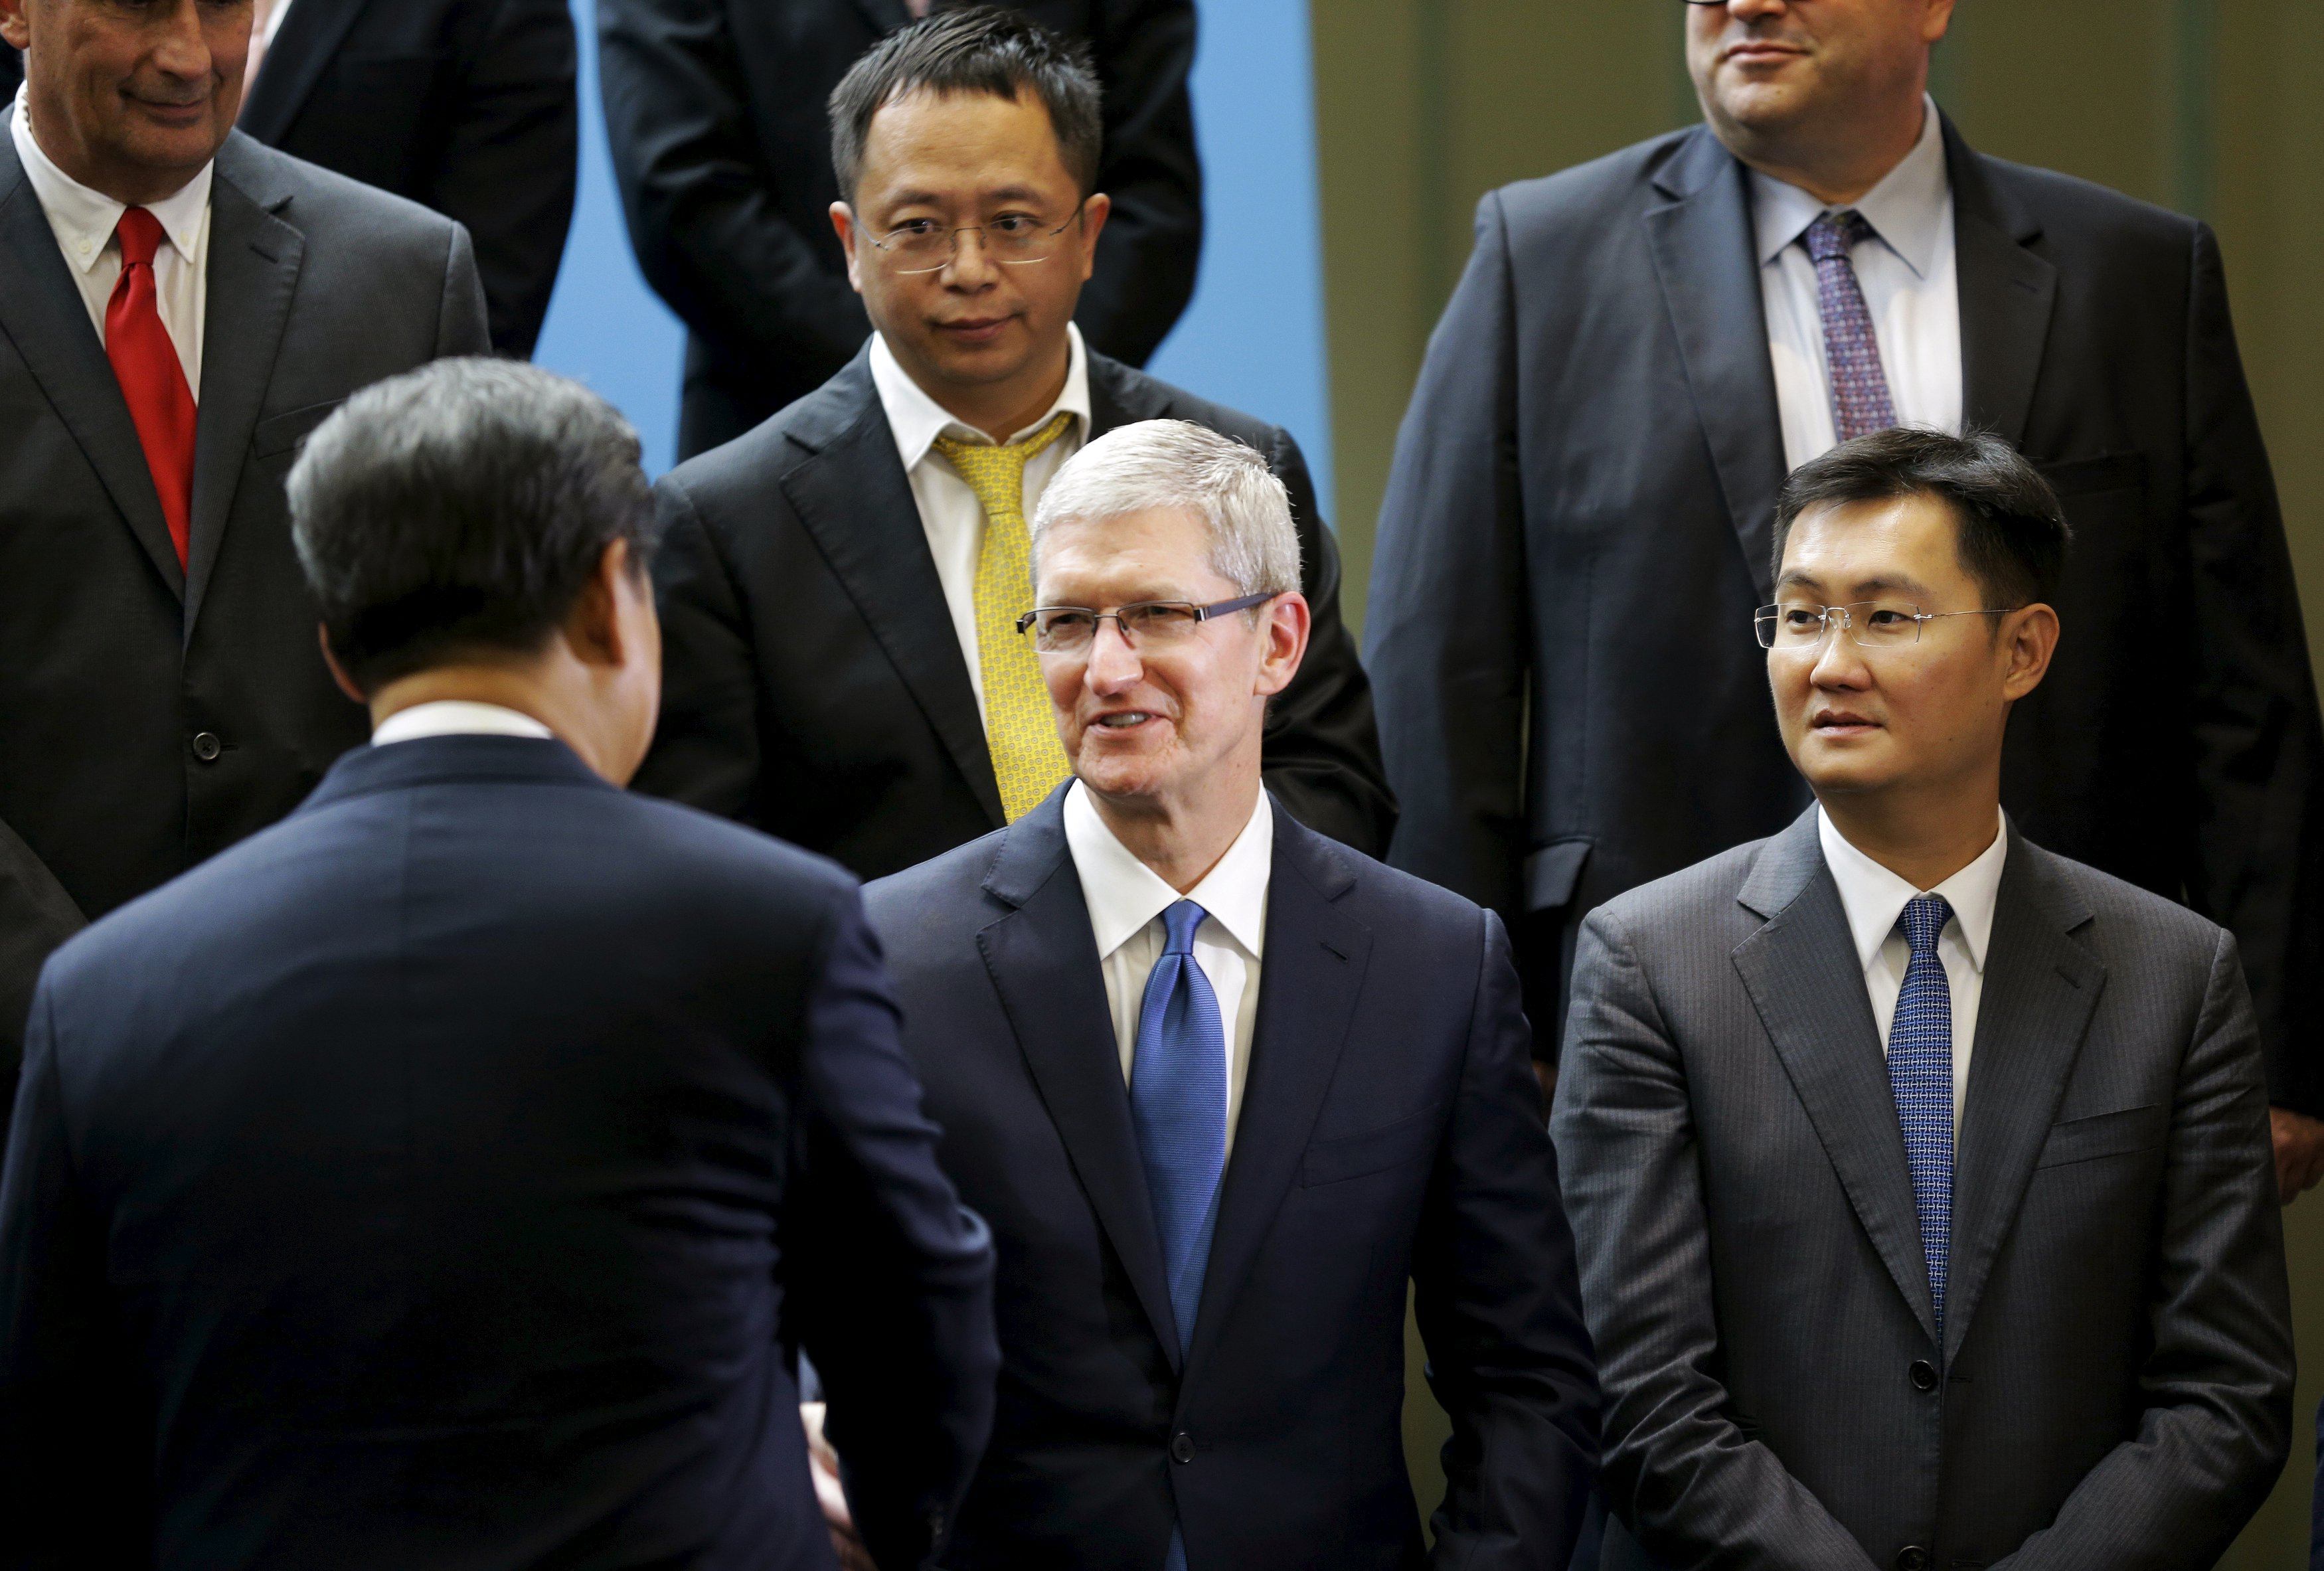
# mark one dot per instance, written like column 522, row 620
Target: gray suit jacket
column 2113, row 1385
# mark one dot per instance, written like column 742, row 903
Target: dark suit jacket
column 466, row 106
column 813, row 685
column 1390, row 1133
column 1579, row 526
column 36, row 915
column 723, row 152
column 150, row 717
column 447, row 1176
column 2113, row 1383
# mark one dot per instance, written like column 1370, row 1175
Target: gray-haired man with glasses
column 1225, row 1091
column 1921, row 1177
column 842, row 588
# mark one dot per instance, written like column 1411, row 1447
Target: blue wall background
column 1252, row 339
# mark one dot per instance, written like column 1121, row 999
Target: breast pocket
column 2123, row 1132
column 1373, row 1151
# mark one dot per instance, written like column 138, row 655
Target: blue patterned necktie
column 1859, row 386
column 1920, row 1074
column 1179, row 1106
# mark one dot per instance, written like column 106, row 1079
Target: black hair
column 461, row 508
column 2013, row 535
column 975, row 49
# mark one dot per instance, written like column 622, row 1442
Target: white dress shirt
column 1126, row 901
column 1912, row 287
column 83, row 222
column 455, row 717
column 1874, row 897
column 950, row 513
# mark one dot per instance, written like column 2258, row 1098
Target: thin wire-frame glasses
column 1869, row 624
column 1071, row 629
column 1012, row 240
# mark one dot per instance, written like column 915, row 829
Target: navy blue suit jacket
column 1391, row 1132
column 441, row 1177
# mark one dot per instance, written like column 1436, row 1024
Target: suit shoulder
column 1151, row 398
column 2125, row 912
column 757, row 461
column 325, row 203
column 930, row 888
column 1702, row 893
column 1589, row 191
column 2086, row 209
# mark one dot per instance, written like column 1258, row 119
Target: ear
column 322, row 634
column 843, row 224
column 1936, row 19
column 1094, row 213
column 593, row 629
column 2029, row 637
column 1289, row 622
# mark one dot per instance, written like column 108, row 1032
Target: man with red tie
column 182, row 307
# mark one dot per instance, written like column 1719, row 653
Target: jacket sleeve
column 2259, row 743
column 890, row 1277
column 698, row 195
column 1447, row 627
column 1148, row 258
column 510, row 164
column 1500, row 1310
column 1692, row 1487
column 1322, row 754
column 36, row 915
column 705, row 746
column 2218, row 1376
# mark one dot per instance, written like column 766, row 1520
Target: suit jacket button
column 1912, row 1558
column 1182, row 1446
column 207, row 746
column 1924, row 1376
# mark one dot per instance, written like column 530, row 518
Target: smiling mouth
column 1125, row 719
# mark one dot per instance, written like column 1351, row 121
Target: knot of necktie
column 1178, row 925
column 140, row 234
column 995, row 471
column 1923, row 920
column 1831, row 237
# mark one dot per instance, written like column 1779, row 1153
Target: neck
column 1002, row 409
column 1182, row 840
column 1838, row 166
column 525, row 689
column 1920, row 837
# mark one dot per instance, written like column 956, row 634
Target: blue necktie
column 1179, row 1106
column 1920, row 1073
column 1860, row 385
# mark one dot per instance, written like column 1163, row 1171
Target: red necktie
column 145, row 363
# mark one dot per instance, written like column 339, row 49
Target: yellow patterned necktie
column 1028, row 760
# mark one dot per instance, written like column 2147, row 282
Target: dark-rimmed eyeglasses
column 1012, row 240
column 1070, row 629
column 1798, row 626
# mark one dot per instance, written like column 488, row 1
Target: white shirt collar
column 455, row 717
column 1123, row 894
column 1906, row 209
column 1874, row 897
column 916, row 421
column 84, row 219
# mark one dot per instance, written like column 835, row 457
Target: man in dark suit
column 449, row 1174
column 840, row 588
column 1827, row 1340
column 1577, row 526
column 715, row 108
column 182, row 307
column 1224, row 1088
column 466, row 106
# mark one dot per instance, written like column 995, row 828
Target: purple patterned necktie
column 1859, row 387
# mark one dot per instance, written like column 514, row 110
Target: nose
column 972, row 266
column 1755, row 10
column 1113, row 666
column 182, row 49
column 1840, row 662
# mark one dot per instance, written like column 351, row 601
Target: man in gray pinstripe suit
column 1921, row 1178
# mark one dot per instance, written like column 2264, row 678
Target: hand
column 2299, row 1151
column 823, row 1463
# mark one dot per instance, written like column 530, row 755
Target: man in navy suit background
column 1224, row 1088
column 449, row 1174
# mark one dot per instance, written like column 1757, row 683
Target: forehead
column 1164, row 551
column 961, row 144
column 1869, row 546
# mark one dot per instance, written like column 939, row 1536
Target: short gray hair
column 1175, row 464
column 459, row 508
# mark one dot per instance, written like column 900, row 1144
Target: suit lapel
column 1309, row 981
column 1044, row 962
column 42, row 313
column 2041, row 988
column 2007, row 294
column 295, row 61
column 254, row 261
column 1800, row 972
column 1702, row 245
column 853, row 498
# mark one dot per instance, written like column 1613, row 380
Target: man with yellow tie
column 841, row 587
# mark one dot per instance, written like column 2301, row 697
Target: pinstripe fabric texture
column 1920, row 1074
column 1861, row 403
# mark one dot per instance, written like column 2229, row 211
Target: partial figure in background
column 427, row 1180
column 2016, row 1298
column 1322, row 1100
column 466, row 106
column 718, row 111
column 1577, row 524
column 840, row 588
column 180, row 306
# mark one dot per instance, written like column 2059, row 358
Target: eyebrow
column 926, row 198
column 1863, row 589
